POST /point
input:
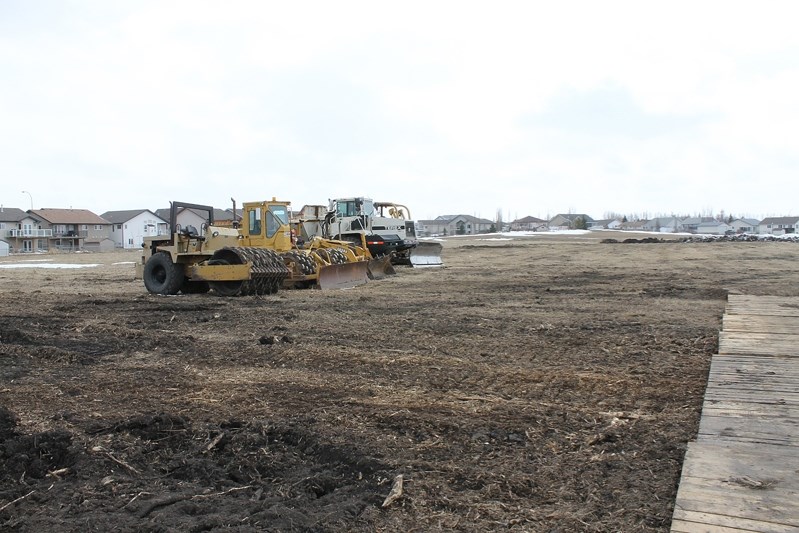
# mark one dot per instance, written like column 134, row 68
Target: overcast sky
column 531, row 108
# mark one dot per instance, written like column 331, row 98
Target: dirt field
column 536, row 384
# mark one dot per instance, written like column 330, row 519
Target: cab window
column 276, row 217
column 255, row 222
column 281, row 212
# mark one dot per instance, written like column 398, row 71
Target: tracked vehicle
column 256, row 257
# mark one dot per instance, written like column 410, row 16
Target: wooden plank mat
column 742, row 343
column 742, row 473
column 761, row 324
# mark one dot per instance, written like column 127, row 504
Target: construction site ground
column 540, row 383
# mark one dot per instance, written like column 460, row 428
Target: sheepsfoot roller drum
column 263, row 268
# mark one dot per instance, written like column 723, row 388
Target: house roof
column 664, row 221
column 529, row 220
column 12, row 214
column 693, row 221
column 226, row 214
column 604, row 222
column 219, row 214
column 68, row 216
column 634, row 224
column 118, row 217
column 780, row 220
column 712, row 224
column 448, row 219
column 571, row 217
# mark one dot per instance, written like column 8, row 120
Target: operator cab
column 352, row 207
column 276, row 215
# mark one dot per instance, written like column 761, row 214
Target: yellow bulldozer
column 257, row 256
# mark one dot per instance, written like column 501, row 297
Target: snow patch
column 50, row 265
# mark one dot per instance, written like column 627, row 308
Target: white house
column 714, row 228
column 744, row 225
column 528, row 224
column 22, row 231
column 664, row 225
column 609, row 223
column 691, row 224
column 454, row 225
column 129, row 228
column 563, row 221
column 778, row 225
column 185, row 217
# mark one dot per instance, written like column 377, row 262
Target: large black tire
column 161, row 275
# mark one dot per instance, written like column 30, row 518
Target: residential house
column 778, row 225
column 633, row 225
column 664, row 225
column 610, row 223
column 197, row 217
column 75, row 229
column 23, row 231
column 569, row 221
column 714, row 227
column 225, row 217
column 454, row 225
column 185, row 217
column 129, row 228
column 745, row 225
column 528, row 224
column 691, row 224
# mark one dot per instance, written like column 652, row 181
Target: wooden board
column 761, row 324
column 762, row 305
column 771, row 430
column 738, row 342
column 742, row 473
column 738, row 485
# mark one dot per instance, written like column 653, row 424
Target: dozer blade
column 343, row 276
column 426, row 254
column 380, row 268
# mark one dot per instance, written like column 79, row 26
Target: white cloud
column 528, row 107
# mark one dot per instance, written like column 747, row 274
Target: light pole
column 31, row 196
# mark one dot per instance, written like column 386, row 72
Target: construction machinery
column 256, row 256
column 385, row 228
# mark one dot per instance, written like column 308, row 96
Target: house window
column 84, row 227
column 98, row 227
column 119, row 226
column 130, row 241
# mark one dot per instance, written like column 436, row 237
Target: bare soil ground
column 536, row 384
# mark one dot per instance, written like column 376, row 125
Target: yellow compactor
column 257, row 256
